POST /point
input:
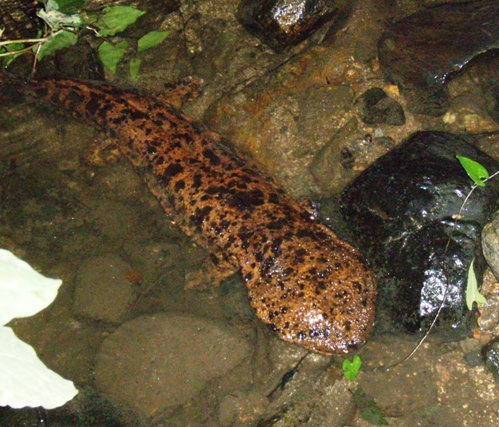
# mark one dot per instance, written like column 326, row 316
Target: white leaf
column 25, row 380
column 23, row 291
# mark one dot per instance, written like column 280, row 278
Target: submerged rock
column 153, row 363
column 102, row 290
column 421, row 52
column 403, row 211
column 490, row 244
column 486, row 75
column 491, row 356
column 283, row 24
column 376, row 107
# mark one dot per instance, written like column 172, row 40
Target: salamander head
column 320, row 296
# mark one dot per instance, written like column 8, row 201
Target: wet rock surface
column 376, row 107
column 153, row 363
column 402, row 211
column 490, row 244
column 103, row 290
column 491, row 356
column 486, row 75
column 285, row 23
column 423, row 51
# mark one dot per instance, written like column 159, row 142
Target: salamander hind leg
column 213, row 271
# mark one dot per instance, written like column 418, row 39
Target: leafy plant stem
column 36, row 42
column 441, row 306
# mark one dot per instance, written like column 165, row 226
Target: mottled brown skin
column 314, row 289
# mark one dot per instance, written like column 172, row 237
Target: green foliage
column 151, row 39
column 134, row 67
column 65, row 18
column 70, row 6
column 351, row 369
column 14, row 49
column 111, row 54
column 478, row 173
column 114, row 19
column 474, row 170
column 61, row 40
column 368, row 409
column 472, row 293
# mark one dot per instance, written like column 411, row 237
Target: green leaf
column 368, row 409
column 152, row 39
column 12, row 47
column 351, row 369
column 474, row 170
column 134, row 67
column 60, row 41
column 115, row 19
column 69, row 6
column 472, row 293
column 110, row 54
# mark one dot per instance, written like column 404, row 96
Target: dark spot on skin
column 246, row 200
column 301, row 335
column 301, row 252
column 313, row 333
column 357, row 285
column 170, row 172
column 273, row 198
column 76, row 99
column 267, row 265
column 276, row 247
column 211, row 156
column 304, row 233
column 318, row 289
column 179, row 185
column 276, row 225
column 198, row 181
column 160, row 160
column 200, row 214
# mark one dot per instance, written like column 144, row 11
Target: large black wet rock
column 423, row 51
column 283, row 24
column 402, row 211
